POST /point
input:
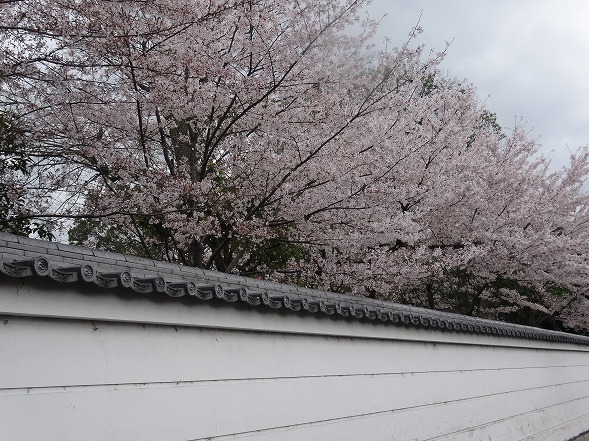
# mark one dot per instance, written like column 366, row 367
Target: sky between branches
column 528, row 58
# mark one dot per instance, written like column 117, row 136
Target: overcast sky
column 528, row 58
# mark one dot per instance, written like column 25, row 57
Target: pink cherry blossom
column 203, row 129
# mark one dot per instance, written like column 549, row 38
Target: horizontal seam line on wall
column 554, row 427
column 511, row 417
column 28, row 390
column 364, row 415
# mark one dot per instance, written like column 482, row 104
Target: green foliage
column 272, row 254
column 528, row 311
column 502, row 298
column 487, row 124
column 106, row 237
column 143, row 238
column 146, row 236
column 12, row 149
column 428, row 85
column 14, row 160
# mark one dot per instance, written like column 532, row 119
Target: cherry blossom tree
column 207, row 118
column 265, row 137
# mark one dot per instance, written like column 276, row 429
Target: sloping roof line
column 24, row 257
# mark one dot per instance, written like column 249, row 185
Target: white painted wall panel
column 139, row 413
column 185, row 353
column 63, row 378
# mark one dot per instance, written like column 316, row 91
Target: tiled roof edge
column 25, row 257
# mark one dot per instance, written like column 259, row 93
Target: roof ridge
column 14, row 245
column 25, row 257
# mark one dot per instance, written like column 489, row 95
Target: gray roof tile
column 25, row 257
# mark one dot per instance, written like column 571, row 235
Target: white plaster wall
column 104, row 366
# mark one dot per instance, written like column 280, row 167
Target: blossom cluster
column 266, row 138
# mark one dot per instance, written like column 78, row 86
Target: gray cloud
column 528, row 58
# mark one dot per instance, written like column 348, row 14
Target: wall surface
column 98, row 364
